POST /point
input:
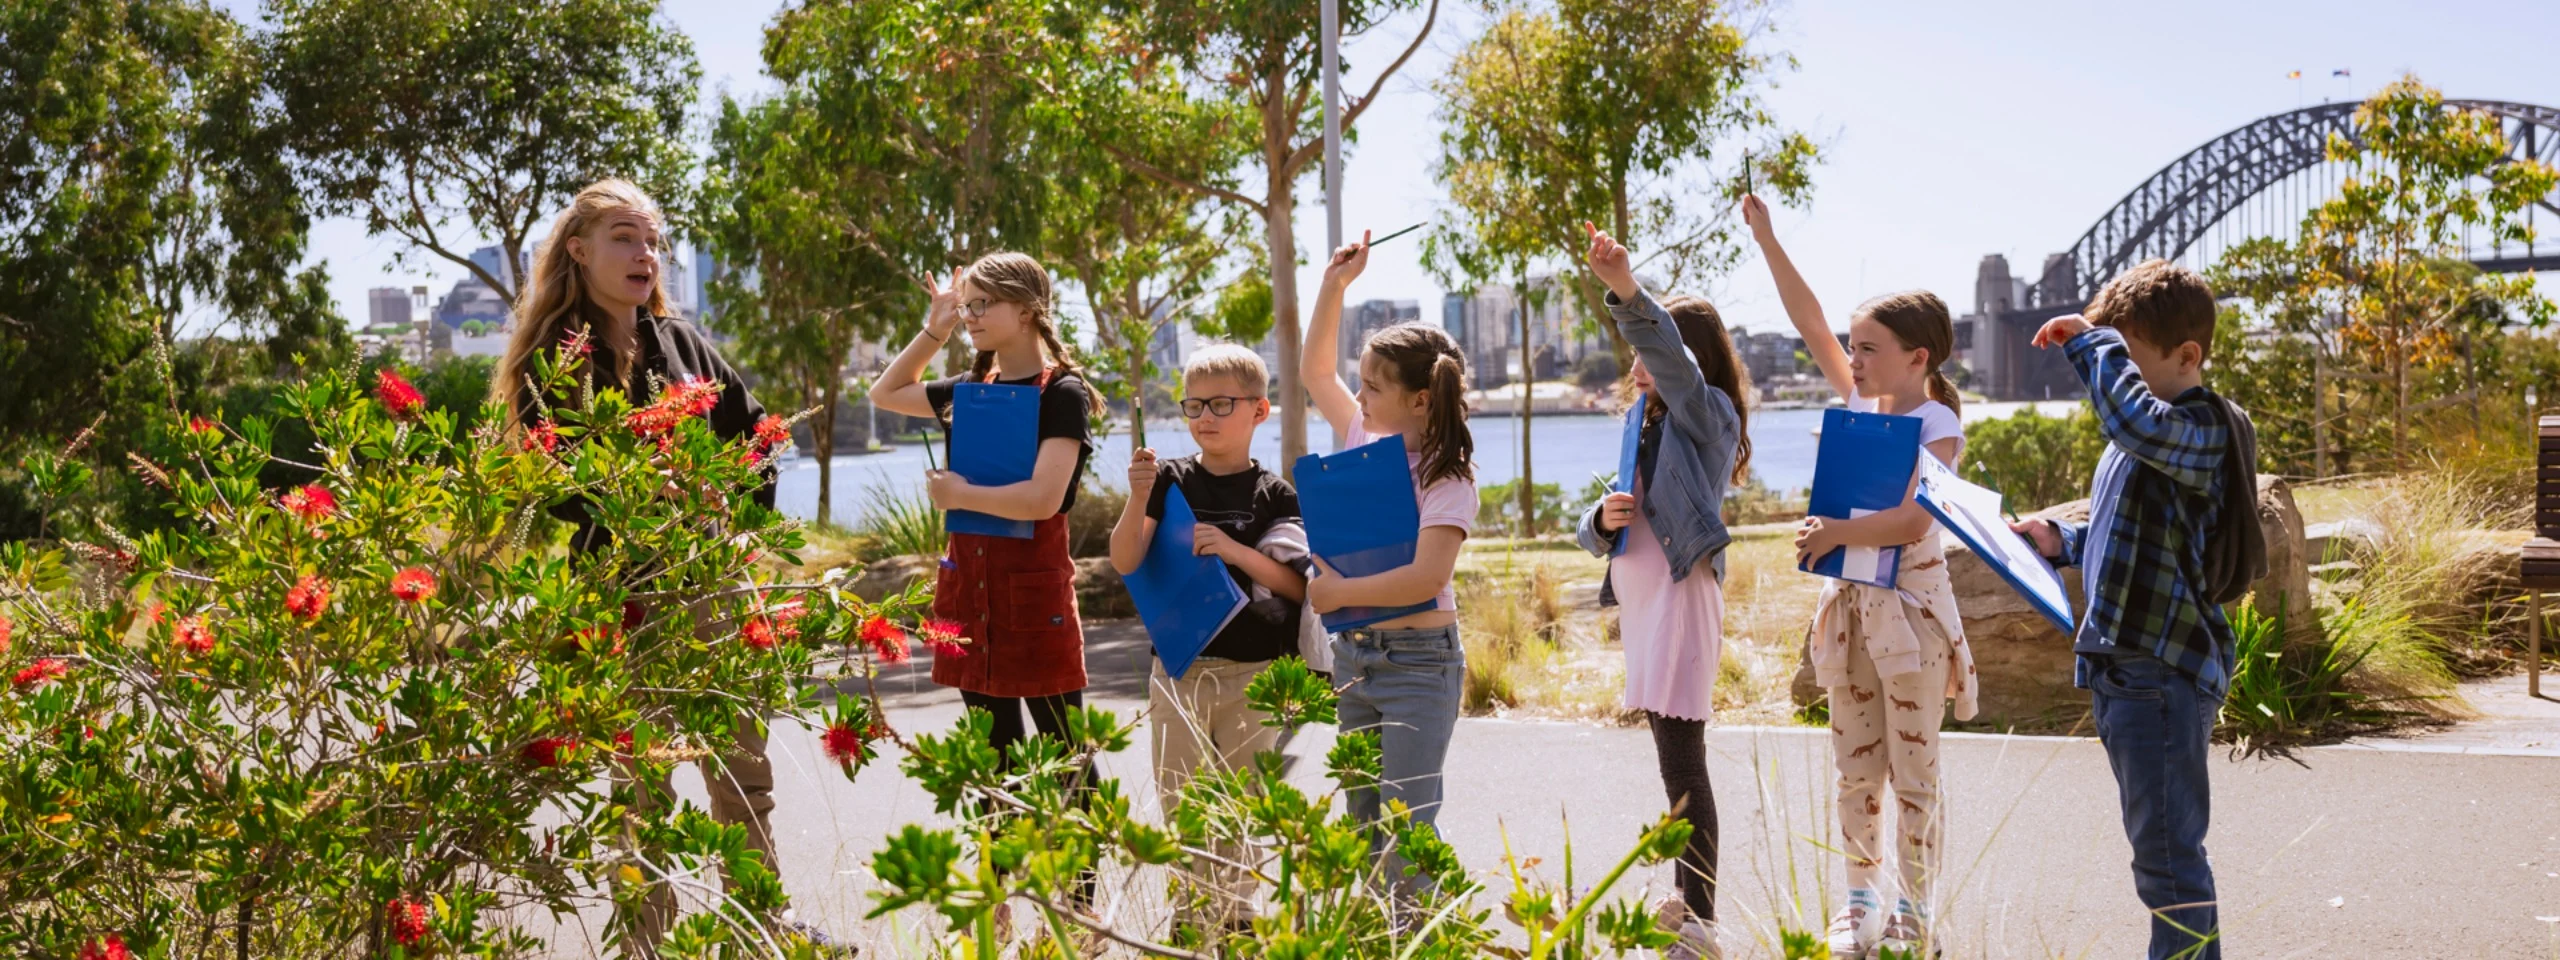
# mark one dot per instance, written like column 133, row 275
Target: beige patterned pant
column 1202, row 724
column 1884, row 731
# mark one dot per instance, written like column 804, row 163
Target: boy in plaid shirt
column 2154, row 651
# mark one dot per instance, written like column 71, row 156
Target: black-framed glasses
column 1193, row 407
column 976, row 308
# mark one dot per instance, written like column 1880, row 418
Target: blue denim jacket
column 1692, row 465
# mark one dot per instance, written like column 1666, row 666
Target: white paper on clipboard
column 1973, row 513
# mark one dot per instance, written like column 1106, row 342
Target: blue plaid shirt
column 2156, row 497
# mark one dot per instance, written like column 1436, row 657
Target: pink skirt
column 1673, row 633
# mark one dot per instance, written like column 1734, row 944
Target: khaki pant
column 1884, row 731
column 741, row 788
column 1201, row 722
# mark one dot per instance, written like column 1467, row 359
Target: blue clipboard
column 1362, row 518
column 1864, row 465
column 1629, row 442
column 1183, row 598
column 995, row 441
column 1973, row 513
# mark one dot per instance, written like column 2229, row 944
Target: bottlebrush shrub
column 364, row 714
column 1035, row 822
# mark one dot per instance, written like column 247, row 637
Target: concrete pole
column 1332, row 40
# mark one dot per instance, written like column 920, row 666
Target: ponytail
column 1424, row 360
column 1942, row 389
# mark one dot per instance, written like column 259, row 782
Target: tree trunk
column 2319, row 409
column 1528, row 383
column 822, row 434
column 1280, row 236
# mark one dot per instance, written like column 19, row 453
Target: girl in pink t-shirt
column 1401, row 678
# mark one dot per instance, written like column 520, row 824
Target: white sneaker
column 1854, row 931
column 1697, row 942
column 1906, row 937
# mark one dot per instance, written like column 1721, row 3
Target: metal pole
column 1332, row 25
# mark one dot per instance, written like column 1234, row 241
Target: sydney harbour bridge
column 2259, row 180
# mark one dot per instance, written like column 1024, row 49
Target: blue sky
column 1954, row 129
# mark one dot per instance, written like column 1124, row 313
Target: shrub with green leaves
column 1032, row 825
column 2035, row 461
column 372, row 712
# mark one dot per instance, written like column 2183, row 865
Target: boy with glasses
column 1248, row 517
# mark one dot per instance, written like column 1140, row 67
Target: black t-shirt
column 1246, row 505
column 1062, row 414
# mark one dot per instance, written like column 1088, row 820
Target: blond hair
column 553, row 305
column 1016, row 278
column 1231, row 361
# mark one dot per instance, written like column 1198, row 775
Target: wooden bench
column 2539, row 560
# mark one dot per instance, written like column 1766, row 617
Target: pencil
column 1394, row 235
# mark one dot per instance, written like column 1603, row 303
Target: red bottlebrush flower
column 308, row 599
column 106, row 947
column 844, row 744
column 758, row 633
column 550, row 751
column 692, row 398
column 749, row 458
column 592, row 638
column 4, row 636
column 945, row 639
column 633, row 612
column 887, row 641
column 413, row 585
column 200, row 425
column 41, row 672
column 192, row 636
column 159, row 612
column 404, row 401
column 772, row 431
column 544, row 437
column 408, row 921
column 622, row 742
column 312, row 502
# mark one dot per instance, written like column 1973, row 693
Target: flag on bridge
column 2296, row 75
column 2342, row 72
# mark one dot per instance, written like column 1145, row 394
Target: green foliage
column 490, row 114
column 1498, row 510
column 2035, row 461
column 292, row 711
column 2284, row 694
column 457, row 386
column 899, row 523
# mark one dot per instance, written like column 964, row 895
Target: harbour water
column 1566, row 450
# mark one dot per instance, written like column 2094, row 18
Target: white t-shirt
column 1937, row 422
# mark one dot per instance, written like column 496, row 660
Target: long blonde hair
column 1016, row 278
column 553, row 305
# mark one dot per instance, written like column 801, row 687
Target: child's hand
column 944, row 487
column 1347, row 263
column 2060, row 330
column 944, row 315
column 1814, row 540
column 1209, row 541
column 1756, row 215
column 1616, row 511
column 1324, row 590
column 1142, row 474
column 1608, row 259
column 2048, row 540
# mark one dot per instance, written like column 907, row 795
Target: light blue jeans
column 1403, row 684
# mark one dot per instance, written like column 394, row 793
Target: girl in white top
column 1891, row 659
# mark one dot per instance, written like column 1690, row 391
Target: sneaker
column 1697, row 942
column 1854, row 931
column 1906, row 937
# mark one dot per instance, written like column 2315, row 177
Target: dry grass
column 1539, row 645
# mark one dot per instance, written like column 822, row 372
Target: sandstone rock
column 1099, row 593
column 2025, row 662
column 884, row 577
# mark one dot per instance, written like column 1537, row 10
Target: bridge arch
column 2175, row 207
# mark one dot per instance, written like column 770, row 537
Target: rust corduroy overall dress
column 1016, row 600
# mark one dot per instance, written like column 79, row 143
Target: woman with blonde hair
column 599, row 283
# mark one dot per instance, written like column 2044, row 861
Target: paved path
column 2355, row 851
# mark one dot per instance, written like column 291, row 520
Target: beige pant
column 1884, row 730
column 1201, row 723
column 741, row 788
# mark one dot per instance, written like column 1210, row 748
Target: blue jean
column 1403, row 684
column 2158, row 730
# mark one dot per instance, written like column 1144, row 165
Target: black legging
column 1681, row 747
column 1049, row 716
